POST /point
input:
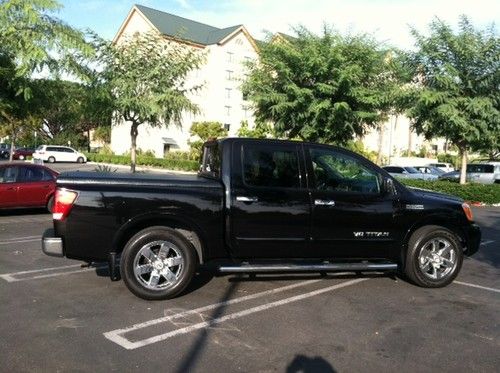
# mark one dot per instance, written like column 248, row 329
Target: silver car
column 483, row 173
column 408, row 173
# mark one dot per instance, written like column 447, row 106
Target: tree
column 34, row 40
column 260, row 130
column 204, row 131
column 457, row 95
column 148, row 79
column 320, row 88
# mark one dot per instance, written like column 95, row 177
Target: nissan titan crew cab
column 260, row 206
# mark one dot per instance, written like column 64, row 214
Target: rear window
column 210, row 165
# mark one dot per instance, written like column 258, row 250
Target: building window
column 227, row 126
column 244, row 95
column 228, row 92
column 229, row 74
column 228, row 110
column 245, row 110
column 230, row 56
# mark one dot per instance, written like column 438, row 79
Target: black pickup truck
column 260, row 206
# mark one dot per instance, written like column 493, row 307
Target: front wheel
column 80, row 160
column 434, row 257
column 157, row 263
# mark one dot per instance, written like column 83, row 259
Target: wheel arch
column 442, row 220
column 189, row 230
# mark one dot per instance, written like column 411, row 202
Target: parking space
column 58, row 316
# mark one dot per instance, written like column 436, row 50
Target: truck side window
column 268, row 166
column 335, row 171
column 211, row 161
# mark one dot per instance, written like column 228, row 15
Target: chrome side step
column 292, row 267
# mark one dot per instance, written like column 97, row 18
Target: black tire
column 50, row 204
column 132, row 252
column 79, row 160
column 422, row 240
column 51, row 160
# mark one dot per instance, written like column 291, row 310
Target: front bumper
column 52, row 245
column 473, row 239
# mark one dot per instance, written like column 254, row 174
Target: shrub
column 486, row 193
column 170, row 164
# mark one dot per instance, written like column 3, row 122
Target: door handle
column 246, row 199
column 323, row 202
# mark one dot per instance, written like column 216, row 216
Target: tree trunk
column 12, row 141
column 463, row 170
column 133, row 146
column 380, row 143
column 88, row 140
column 408, row 152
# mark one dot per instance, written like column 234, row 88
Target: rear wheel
column 434, row 257
column 157, row 263
column 51, row 160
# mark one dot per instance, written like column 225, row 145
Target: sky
column 388, row 20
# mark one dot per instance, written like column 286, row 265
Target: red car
column 23, row 153
column 26, row 185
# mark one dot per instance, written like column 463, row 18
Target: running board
column 323, row 267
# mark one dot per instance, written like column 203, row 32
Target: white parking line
column 117, row 337
column 8, row 241
column 11, row 277
column 477, row 286
column 487, row 242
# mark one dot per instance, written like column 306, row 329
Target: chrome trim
column 247, row 268
column 322, row 202
column 246, row 199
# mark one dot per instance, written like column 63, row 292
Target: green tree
column 320, row 88
column 34, row 40
column 202, row 132
column 260, row 130
column 148, row 78
column 457, row 94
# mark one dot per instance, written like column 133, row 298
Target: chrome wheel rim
column 158, row 265
column 437, row 258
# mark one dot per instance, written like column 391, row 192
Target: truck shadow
column 305, row 364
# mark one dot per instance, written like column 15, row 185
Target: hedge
column 171, row 164
column 486, row 193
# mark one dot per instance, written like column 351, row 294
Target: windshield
column 480, row 168
column 411, row 170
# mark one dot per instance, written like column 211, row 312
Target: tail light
column 63, row 203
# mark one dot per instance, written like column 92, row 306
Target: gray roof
column 186, row 29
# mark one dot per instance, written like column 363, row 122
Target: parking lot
column 57, row 316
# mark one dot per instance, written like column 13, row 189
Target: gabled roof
column 186, row 29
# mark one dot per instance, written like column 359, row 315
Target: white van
column 53, row 153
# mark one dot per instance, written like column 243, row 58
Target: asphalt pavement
column 57, row 316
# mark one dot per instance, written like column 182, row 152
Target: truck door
column 352, row 216
column 270, row 208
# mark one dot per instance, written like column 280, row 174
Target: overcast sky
column 388, row 20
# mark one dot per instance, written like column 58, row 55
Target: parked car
column 482, row 173
column 409, row 173
column 23, row 153
column 446, row 167
column 259, row 206
column 52, row 153
column 26, row 185
column 4, row 151
column 430, row 170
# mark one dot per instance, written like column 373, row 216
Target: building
column 220, row 99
